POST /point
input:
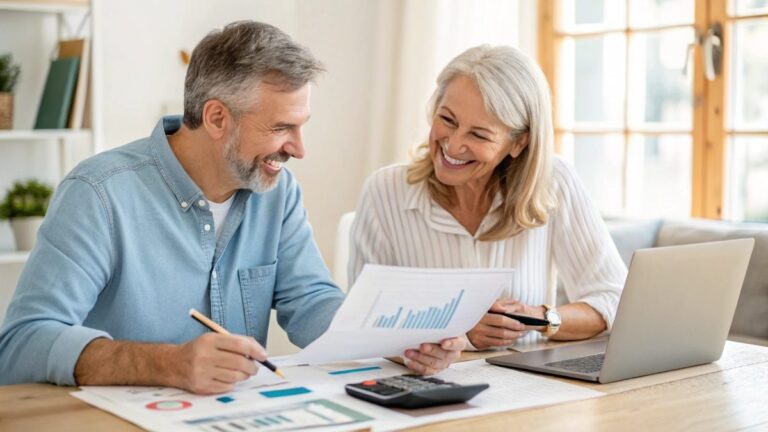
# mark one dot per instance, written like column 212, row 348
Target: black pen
column 524, row 319
column 204, row 320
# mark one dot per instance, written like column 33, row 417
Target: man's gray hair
column 228, row 63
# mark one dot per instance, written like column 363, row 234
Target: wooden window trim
column 708, row 132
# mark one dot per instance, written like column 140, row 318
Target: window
column 639, row 93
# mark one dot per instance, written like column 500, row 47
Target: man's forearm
column 108, row 362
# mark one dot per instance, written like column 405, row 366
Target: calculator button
column 369, row 383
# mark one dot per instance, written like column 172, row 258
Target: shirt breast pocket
column 257, row 287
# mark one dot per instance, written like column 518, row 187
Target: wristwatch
column 553, row 316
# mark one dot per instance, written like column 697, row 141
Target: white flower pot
column 25, row 231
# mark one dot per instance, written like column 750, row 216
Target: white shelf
column 43, row 134
column 13, row 257
column 43, row 7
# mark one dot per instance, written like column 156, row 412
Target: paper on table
column 509, row 390
column 390, row 309
column 299, row 415
column 513, row 389
column 169, row 409
column 143, row 398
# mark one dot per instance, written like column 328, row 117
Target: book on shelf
column 53, row 112
column 79, row 48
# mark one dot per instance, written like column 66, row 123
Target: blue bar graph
column 429, row 318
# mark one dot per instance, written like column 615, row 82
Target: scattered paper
column 326, row 401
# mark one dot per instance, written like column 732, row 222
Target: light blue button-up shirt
column 124, row 253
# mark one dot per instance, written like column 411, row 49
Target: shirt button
column 214, row 274
column 184, row 204
column 207, row 227
column 201, row 203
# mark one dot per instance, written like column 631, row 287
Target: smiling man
column 201, row 214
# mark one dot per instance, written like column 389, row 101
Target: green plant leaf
column 9, row 73
column 25, row 199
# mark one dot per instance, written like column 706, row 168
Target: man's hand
column 211, row 363
column 498, row 330
column 214, row 363
column 431, row 358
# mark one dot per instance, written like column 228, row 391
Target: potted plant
column 24, row 206
column 9, row 77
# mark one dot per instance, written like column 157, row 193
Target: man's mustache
column 280, row 156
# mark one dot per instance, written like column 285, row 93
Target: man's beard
column 250, row 175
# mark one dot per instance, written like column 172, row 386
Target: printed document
column 390, row 309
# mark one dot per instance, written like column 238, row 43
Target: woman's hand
column 498, row 330
column 431, row 358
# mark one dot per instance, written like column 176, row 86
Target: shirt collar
column 417, row 198
column 181, row 184
column 416, row 195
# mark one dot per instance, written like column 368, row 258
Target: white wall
column 341, row 33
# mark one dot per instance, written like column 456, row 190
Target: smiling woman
column 480, row 114
column 465, row 147
column 487, row 191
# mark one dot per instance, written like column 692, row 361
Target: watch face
column 553, row 318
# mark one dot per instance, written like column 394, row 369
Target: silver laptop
column 675, row 311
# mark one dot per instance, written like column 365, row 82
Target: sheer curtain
column 415, row 40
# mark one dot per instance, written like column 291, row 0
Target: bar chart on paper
column 432, row 317
column 301, row 415
column 390, row 309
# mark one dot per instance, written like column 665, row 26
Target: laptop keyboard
column 588, row 364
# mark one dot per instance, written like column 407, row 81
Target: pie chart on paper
column 169, row 405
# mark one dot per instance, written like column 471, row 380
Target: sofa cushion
column 630, row 235
column 751, row 317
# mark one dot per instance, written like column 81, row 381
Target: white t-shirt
column 220, row 211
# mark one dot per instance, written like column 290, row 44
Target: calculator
column 413, row 391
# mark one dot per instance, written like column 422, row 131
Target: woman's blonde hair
column 515, row 90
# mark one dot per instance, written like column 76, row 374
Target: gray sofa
column 750, row 324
